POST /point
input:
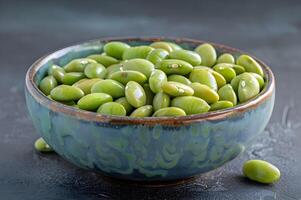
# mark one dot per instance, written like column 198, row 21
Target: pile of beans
column 161, row 79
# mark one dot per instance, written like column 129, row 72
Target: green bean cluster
column 161, row 79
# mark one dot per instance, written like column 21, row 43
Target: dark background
column 270, row 30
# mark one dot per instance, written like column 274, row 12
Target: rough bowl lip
column 168, row 121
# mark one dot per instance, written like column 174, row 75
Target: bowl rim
column 170, row 121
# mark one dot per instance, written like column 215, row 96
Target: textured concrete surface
column 271, row 30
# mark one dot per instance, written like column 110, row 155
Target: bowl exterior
column 142, row 151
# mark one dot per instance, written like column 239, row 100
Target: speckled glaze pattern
column 144, row 151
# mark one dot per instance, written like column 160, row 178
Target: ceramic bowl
column 147, row 149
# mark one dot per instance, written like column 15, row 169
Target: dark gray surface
column 28, row 30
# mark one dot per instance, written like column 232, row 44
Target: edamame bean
column 162, row 45
column 177, row 89
column 250, row 64
column 95, row 70
column 66, row 93
column 108, row 86
column 227, row 93
column 157, row 55
column 136, row 52
column 221, row 105
column 189, row 56
column 238, row 69
column 114, row 68
column 93, row 101
column 204, row 77
column 128, row 107
column 226, row 58
column 174, row 46
column 112, row 108
column 227, row 71
column 78, row 65
column 47, row 84
column 104, row 60
column 207, row 53
column 41, row 146
column 235, row 81
column 149, row 94
column 58, row 73
column 248, row 88
column 220, row 80
column 174, row 66
column 135, row 94
column 190, row 104
column 179, row 79
column 115, row 49
column 54, row 67
column 259, row 79
column 161, row 100
column 156, row 80
column 125, row 76
column 137, row 76
column 143, row 111
column 169, row 112
column 261, row 171
column 204, row 92
column 72, row 77
column 86, row 84
column 140, row 65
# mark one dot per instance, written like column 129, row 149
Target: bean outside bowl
column 146, row 149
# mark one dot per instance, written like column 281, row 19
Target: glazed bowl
column 147, row 149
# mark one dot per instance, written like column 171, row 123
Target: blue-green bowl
column 145, row 149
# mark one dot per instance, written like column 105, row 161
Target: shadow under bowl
column 145, row 149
